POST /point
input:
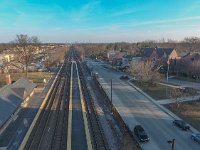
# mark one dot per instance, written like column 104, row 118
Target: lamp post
column 168, row 69
column 167, row 75
column 173, row 143
column 111, row 92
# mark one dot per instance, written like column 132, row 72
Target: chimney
column 8, row 79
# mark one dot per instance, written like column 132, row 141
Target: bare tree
column 178, row 95
column 195, row 67
column 26, row 47
column 192, row 42
column 175, row 94
column 145, row 71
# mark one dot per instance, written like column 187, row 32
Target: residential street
column 136, row 109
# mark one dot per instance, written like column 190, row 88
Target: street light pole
column 111, row 92
column 173, row 143
column 167, row 69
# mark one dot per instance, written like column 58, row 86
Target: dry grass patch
column 156, row 91
column 188, row 111
column 36, row 77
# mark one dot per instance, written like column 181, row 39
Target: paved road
column 183, row 83
column 135, row 109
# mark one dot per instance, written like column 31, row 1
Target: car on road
column 196, row 137
column 181, row 124
column 141, row 134
column 124, row 77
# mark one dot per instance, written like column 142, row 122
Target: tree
column 195, row 68
column 178, row 95
column 26, row 47
column 145, row 71
column 192, row 42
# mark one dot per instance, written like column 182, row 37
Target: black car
column 124, row 77
column 141, row 134
column 181, row 124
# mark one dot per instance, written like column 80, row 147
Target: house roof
column 11, row 96
column 119, row 55
column 160, row 51
column 191, row 56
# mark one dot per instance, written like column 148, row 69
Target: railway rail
column 99, row 142
column 50, row 130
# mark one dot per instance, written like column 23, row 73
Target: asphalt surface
column 78, row 130
column 136, row 109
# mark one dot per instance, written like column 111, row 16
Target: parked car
column 196, row 137
column 181, row 124
column 141, row 134
column 124, row 77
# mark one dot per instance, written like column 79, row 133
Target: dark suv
column 141, row 134
column 124, row 77
column 181, row 124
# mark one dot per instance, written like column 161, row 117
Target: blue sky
column 99, row 20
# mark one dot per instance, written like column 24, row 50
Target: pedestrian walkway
column 181, row 99
column 182, row 83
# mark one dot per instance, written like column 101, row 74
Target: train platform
column 78, row 131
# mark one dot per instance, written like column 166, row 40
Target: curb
column 171, row 114
column 152, row 100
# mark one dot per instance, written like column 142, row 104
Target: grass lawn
column 157, row 92
column 36, row 77
column 188, row 111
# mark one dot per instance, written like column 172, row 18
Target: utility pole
column 173, row 143
column 168, row 69
column 111, row 93
column 167, row 75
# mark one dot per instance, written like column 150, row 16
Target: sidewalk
column 181, row 99
column 161, row 107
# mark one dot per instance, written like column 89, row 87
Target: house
column 6, row 57
column 189, row 65
column 111, row 55
column 12, row 96
column 136, row 60
column 157, row 54
column 116, row 57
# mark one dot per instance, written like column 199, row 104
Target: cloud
column 126, row 11
column 166, row 22
column 84, row 11
column 176, row 20
column 195, row 6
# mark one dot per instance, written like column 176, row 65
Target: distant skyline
column 99, row 20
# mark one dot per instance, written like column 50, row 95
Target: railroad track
column 96, row 131
column 50, row 129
